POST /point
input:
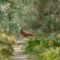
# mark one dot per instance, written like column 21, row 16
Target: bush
column 6, row 43
column 48, row 54
column 52, row 54
column 7, row 38
column 38, row 47
column 33, row 44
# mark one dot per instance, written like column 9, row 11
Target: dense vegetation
column 39, row 16
column 43, row 48
column 6, row 43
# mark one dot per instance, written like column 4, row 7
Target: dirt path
column 18, row 51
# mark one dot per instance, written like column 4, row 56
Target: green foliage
column 48, row 54
column 52, row 54
column 4, row 1
column 34, row 44
column 38, row 47
column 41, row 16
column 32, row 14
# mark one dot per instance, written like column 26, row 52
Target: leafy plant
column 34, row 44
column 52, row 54
column 37, row 47
column 6, row 43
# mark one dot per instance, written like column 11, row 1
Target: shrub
column 7, row 38
column 52, row 54
column 6, row 43
column 34, row 44
column 48, row 54
column 38, row 47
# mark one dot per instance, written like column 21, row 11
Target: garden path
column 18, row 53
